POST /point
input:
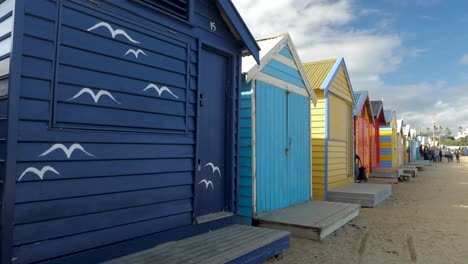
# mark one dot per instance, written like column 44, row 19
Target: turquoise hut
column 275, row 130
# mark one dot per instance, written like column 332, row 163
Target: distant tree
column 427, row 130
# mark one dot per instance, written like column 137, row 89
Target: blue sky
column 411, row 53
column 434, row 30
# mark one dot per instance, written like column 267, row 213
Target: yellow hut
column 331, row 126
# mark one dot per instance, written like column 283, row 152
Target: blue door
column 211, row 170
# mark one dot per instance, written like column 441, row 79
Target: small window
column 176, row 8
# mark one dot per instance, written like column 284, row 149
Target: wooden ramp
column 365, row 194
column 311, row 219
column 234, row 244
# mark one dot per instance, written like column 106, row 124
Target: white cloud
column 320, row 30
column 323, row 29
column 464, row 59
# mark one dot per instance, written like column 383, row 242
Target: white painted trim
column 281, row 84
column 285, row 60
column 264, row 61
column 309, row 88
column 254, row 150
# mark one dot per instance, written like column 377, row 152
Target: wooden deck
column 365, row 194
column 234, row 244
column 312, row 219
column 385, row 172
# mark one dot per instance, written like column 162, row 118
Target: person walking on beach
column 457, row 155
column 440, row 154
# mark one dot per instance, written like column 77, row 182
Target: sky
column 413, row 54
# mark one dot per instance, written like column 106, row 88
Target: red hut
column 363, row 126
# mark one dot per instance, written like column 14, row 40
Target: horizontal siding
column 340, row 85
column 245, row 184
column 205, row 13
column 388, row 147
column 318, row 146
column 283, row 72
column 163, row 63
column 286, row 51
column 6, row 41
column 115, row 186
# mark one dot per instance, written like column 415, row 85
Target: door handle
column 201, row 101
column 288, row 148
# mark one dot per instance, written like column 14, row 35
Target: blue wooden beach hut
column 118, row 124
column 275, row 130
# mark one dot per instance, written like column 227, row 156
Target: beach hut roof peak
column 389, row 115
column 321, row 74
column 280, row 48
column 377, row 108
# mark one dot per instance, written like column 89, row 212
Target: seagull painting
column 160, row 90
column 113, row 32
column 39, row 173
column 94, row 96
column 207, row 183
column 135, row 52
column 68, row 151
column 214, row 168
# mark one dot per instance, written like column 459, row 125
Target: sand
column 425, row 221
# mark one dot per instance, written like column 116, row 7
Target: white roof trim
column 264, row 61
column 285, row 60
column 281, row 84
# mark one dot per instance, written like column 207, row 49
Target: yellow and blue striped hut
column 388, row 140
column 331, row 126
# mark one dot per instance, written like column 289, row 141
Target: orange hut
column 379, row 119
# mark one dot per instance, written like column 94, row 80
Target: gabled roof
column 406, row 130
column 399, row 125
column 270, row 49
column 388, row 114
column 360, row 98
column 318, row 71
column 377, row 107
column 322, row 73
column 237, row 26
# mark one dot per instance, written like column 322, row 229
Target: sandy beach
column 425, row 221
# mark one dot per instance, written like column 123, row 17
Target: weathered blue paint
column 277, row 174
column 284, row 72
column 286, row 51
column 132, row 173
